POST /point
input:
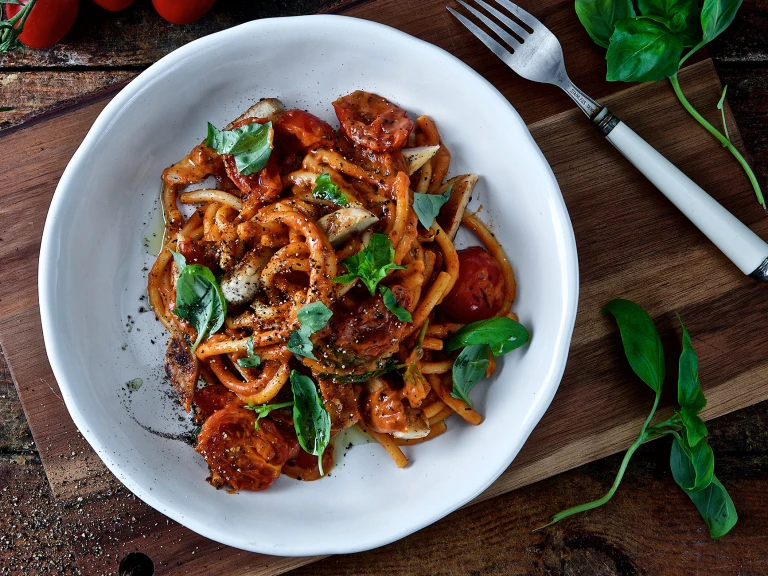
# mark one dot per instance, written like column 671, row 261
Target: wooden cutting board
column 632, row 243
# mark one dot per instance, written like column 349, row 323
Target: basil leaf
column 502, row 334
column 689, row 394
column 695, row 429
column 300, row 344
column 692, row 467
column 263, row 410
column 716, row 16
column 642, row 344
column 314, row 316
column 6, row 108
column 371, row 264
column 325, row 189
column 599, row 17
column 716, row 508
column 391, row 303
column 251, row 145
column 199, row 299
column 427, row 206
column 681, row 16
column 642, row 50
column 251, row 360
column 310, row 418
column 468, row 369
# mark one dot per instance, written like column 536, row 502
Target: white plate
column 91, row 280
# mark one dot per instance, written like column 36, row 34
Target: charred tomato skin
column 479, row 291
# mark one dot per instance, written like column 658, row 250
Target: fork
column 537, row 55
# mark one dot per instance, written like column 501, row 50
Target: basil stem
column 720, row 137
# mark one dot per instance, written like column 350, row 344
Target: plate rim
column 46, row 273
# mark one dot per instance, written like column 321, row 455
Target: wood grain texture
column 612, row 262
column 490, row 538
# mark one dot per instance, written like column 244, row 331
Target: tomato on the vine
column 479, row 291
column 48, row 21
column 114, row 5
column 182, row 11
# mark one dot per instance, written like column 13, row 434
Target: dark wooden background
column 649, row 527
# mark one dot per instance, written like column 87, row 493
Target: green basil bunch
column 649, row 40
column 691, row 458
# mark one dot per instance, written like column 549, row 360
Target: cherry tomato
column 308, row 128
column 114, row 5
column 373, row 122
column 238, row 455
column 47, row 23
column 479, row 292
column 210, row 399
column 182, row 11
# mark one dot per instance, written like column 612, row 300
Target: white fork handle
column 742, row 246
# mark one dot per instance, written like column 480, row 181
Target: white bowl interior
column 93, row 277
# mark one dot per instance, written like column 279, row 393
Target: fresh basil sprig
column 251, row 360
column 312, row 317
column 371, row 264
column 310, row 418
column 427, row 206
column 325, row 189
column 468, row 369
column 198, row 298
column 648, row 45
column 480, row 339
column 263, row 410
column 599, row 17
column 391, row 303
column 251, row 145
column 691, row 458
column 502, row 334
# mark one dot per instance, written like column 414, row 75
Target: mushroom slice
column 267, row 108
column 416, row 425
column 452, row 211
column 182, row 368
column 341, row 225
column 417, row 157
column 241, row 284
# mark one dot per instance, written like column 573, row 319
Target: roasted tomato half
column 479, row 292
column 307, row 128
column 238, row 455
column 373, row 122
column 210, row 399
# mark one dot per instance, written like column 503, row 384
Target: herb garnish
column 251, row 360
column 649, row 46
column 310, row 419
column 427, row 206
column 263, row 410
column 391, row 303
column 480, row 339
column 198, row 298
column 325, row 189
column 251, row 145
column 371, row 264
column 691, row 458
column 312, row 317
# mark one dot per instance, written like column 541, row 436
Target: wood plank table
column 650, row 526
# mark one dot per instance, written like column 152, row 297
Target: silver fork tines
column 535, row 55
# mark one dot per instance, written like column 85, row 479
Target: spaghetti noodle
column 301, row 230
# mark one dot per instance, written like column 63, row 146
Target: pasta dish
column 309, row 283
